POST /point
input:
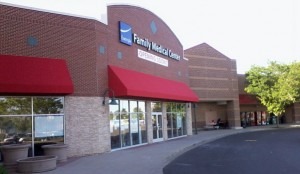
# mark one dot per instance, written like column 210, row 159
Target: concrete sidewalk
column 147, row 159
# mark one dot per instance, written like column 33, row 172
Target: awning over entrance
column 21, row 75
column 128, row 83
column 248, row 99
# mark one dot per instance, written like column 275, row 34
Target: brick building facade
column 146, row 74
column 213, row 77
column 162, row 91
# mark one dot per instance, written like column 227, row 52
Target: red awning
column 128, row 83
column 34, row 76
column 248, row 99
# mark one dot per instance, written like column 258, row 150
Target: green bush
column 2, row 170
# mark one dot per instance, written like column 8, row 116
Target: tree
column 276, row 86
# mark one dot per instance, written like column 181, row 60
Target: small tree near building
column 276, row 85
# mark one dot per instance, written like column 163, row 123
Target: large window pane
column 114, row 117
column 124, row 106
column 15, row 105
column 154, row 125
column 115, row 130
column 127, row 124
column 169, row 125
column 142, row 106
column 142, row 128
column 176, row 119
column 133, row 106
column 48, row 129
column 16, row 121
column 134, row 128
column 182, row 107
column 184, row 124
column 156, row 107
column 114, row 108
column 15, row 130
column 125, row 134
column 169, row 107
column 47, row 105
column 179, row 124
column 142, row 121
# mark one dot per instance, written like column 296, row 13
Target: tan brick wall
column 189, row 119
column 214, row 78
column 233, row 114
column 289, row 114
column 208, row 108
column 296, row 112
column 87, row 126
column 212, row 75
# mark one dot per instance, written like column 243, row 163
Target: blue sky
column 252, row 32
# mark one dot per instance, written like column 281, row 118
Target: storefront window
column 169, row 125
column 142, row 121
column 43, row 105
column 174, row 124
column 142, row 127
column 127, row 124
column 114, row 126
column 254, row 118
column 17, row 121
column 156, row 107
column 176, row 117
column 16, row 129
column 134, row 126
column 15, row 106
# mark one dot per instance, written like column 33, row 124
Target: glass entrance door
column 157, row 126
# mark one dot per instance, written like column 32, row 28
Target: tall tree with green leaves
column 276, row 85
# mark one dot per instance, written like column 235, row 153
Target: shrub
column 2, row 170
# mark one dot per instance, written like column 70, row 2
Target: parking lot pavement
column 146, row 159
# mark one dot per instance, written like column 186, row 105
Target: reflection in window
column 48, row 129
column 125, row 133
column 48, row 126
column 142, row 127
column 14, row 130
column 15, row 105
column 127, row 124
column 156, row 107
column 176, row 117
column 141, row 107
column 134, row 128
column 124, row 106
column 16, row 121
column 114, row 119
column 169, row 125
column 43, row 105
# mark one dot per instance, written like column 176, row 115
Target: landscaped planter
column 36, row 164
column 59, row 150
column 13, row 152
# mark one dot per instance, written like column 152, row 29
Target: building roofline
column 53, row 11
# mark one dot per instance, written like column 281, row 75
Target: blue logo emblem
column 125, row 33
